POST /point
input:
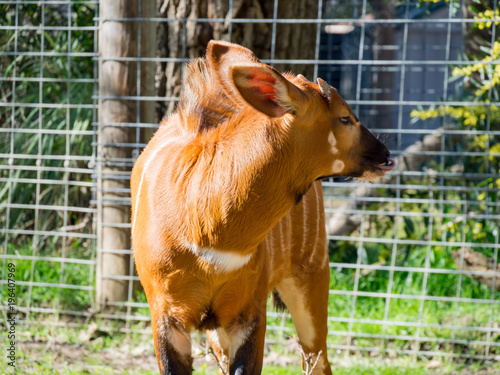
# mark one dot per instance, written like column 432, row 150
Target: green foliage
column 50, row 93
column 429, row 224
column 50, row 275
column 479, row 82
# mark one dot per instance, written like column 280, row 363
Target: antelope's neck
column 239, row 187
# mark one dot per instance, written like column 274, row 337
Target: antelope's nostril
column 389, row 164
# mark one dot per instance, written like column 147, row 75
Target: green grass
column 407, row 310
column 115, row 354
column 75, row 275
column 366, row 308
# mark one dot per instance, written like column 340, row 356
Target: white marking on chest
column 333, row 142
column 222, row 261
column 338, row 166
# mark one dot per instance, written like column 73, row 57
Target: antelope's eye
column 346, row 120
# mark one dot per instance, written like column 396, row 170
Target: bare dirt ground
column 78, row 357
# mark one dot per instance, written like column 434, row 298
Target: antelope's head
column 328, row 139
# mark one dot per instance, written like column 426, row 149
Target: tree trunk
column 117, row 78
column 148, row 68
column 188, row 40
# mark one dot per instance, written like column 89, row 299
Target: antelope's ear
column 265, row 89
column 221, row 54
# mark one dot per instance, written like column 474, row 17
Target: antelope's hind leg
column 306, row 298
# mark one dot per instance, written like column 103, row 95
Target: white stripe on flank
column 223, row 261
column 144, row 171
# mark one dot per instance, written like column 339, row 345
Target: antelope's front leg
column 246, row 348
column 172, row 346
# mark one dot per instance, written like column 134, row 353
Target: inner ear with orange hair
column 265, row 89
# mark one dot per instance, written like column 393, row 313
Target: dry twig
column 309, row 366
column 223, row 366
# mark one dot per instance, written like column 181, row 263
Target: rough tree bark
column 179, row 39
column 148, row 68
column 117, row 78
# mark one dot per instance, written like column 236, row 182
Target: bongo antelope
column 227, row 207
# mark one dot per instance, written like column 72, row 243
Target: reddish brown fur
column 222, row 178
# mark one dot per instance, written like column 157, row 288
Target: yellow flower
column 488, row 14
column 469, row 115
column 482, row 65
column 495, row 149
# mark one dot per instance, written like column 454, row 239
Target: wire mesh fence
column 46, row 154
column 414, row 256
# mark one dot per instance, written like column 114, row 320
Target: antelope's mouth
column 387, row 165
